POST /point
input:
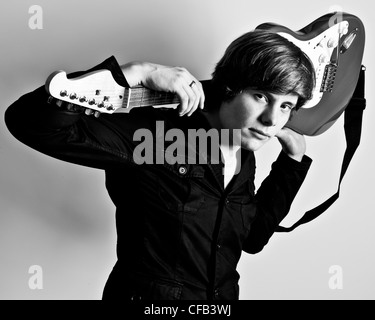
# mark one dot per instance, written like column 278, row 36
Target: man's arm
column 274, row 199
column 74, row 136
column 167, row 79
column 60, row 132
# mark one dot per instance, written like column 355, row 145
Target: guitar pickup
column 348, row 41
column 328, row 78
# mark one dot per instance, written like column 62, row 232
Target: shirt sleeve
column 72, row 136
column 274, row 199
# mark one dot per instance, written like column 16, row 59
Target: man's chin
column 253, row 145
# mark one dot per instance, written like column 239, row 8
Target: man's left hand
column 293, row 143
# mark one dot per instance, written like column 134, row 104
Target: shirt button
column 227, row 201
column 218, row 246
column 182, row 170
column 216, row 293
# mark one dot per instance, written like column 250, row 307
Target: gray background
column 58, row 215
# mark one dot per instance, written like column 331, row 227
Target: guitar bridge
column 328, row 78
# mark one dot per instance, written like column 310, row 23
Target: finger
column 201, row 96
column 70, row 107
column 189, row 101
column 97, row 114
column 195, row 86
column 287, row 134
column 194, row 94
column 184, row 100
column 89, row 112
column 189, row 85
column 280, row 134
column 180, row 88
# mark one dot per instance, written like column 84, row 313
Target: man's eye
column 260, row 96
column 286, row 107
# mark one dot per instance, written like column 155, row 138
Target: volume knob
column 332, row 43
column 323, row 58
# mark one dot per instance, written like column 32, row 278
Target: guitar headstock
column 96, row 90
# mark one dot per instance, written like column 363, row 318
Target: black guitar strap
column 352, row 127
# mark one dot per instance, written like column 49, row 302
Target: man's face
column 259, row 116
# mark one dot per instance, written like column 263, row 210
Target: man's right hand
column 177, row 80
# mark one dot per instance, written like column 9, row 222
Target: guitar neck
column 98, row 91
column 140, row 96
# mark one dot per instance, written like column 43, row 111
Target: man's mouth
column 259, row 134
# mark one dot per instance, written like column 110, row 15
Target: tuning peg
column 96, row 114
column 70, row 107
column 89, row 112
column 73, row 96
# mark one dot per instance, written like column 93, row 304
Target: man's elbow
column 10, row 119
column 253, row 249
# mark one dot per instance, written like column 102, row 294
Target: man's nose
column 270, row 115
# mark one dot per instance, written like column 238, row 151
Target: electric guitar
column 334, row 43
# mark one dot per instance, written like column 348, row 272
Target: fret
column 126, row 98
column 141, row 96
column 153, row 97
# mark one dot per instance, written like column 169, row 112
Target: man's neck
column 213, row 119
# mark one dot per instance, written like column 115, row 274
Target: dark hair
column 266, row 61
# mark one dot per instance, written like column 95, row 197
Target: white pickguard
column 319, row 50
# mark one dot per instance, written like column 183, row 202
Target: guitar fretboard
column 140, row 97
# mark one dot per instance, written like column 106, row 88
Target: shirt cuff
column 286, row 161
column 110, row 64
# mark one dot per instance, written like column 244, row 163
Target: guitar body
column 335, row 44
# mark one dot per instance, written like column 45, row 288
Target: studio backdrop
column 57, row 223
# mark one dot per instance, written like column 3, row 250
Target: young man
column 183, row 226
